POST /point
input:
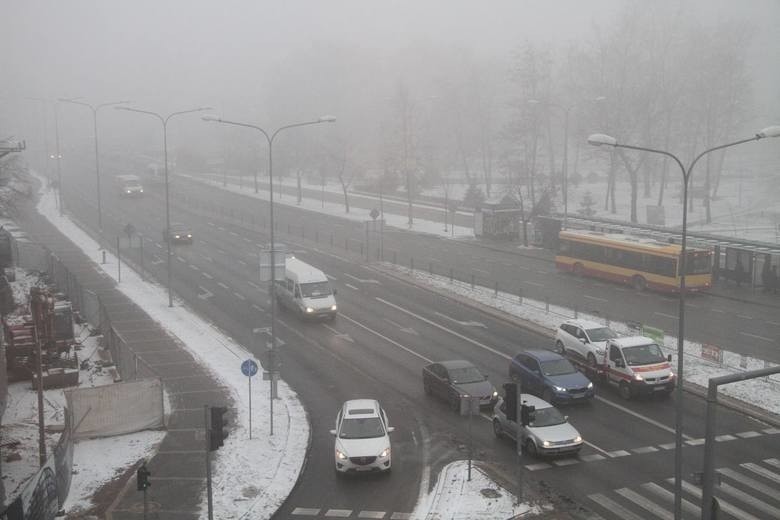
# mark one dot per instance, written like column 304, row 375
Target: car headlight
column 309, row 309
column 559, row 389
column 672, row 375
column 189, row 235
column 385, row 453
column 340, row 455
column 546, row 444
column 141, row 190
column 495, row 393
column 577, row 439
column 590, row 385
column 334, row 307
column 176, row 236
column 638, row 377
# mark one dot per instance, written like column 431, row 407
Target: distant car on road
column 179, row 234
column 548, row 434
column 451, row 380
column 362, row 437
column 551, row 376
column 586, row 339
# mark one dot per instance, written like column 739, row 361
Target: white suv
column 362, row 437
column 585, row 339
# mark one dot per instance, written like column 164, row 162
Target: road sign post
column 249, row 369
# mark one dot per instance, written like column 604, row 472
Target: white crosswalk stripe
column 746, row 492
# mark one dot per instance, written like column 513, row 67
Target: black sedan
column 179, row 234
column 453, row 380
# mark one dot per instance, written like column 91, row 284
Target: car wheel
column 560, row 348
column 578, row 269
column 497, row 430
column 625, row 391
column 639, row 283
column 591, row 359
column 530, row 448
column 455, row 403
column 547, row 395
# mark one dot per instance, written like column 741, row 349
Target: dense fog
column 476, row 92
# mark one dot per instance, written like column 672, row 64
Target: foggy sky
column 166, row 55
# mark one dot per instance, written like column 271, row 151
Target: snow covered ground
column 254, row 488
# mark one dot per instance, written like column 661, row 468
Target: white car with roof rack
column 362, row 438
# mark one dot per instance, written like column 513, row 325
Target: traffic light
column 142, row 477
column 527, row 414
column 219, row 431
column 510, row 399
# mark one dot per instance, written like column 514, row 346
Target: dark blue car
column 550, row 376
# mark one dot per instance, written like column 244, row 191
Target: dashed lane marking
column 618, row 453
column 593, row 457
column 538, row 466
column 371, row 514
column 207, row 275
column 223, row 285
column 671, row 317
column 719, row 311
column 695, row 442
column 240, row 296
column 338, row 513
column 194, row 267
column 744, row 317
column 757, row 336
column 305, row 511
column 722, row 438
column 596, row 298
column 645, row 449
column 747, row 435
column 351, row 286
column 614, row 507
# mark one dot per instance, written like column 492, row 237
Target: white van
column 129, row 186
column 306, row 291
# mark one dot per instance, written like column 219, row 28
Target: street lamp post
column 272, row 292
column 95, row 109
column 57, row 149
column 602, row 139
column 164, row 120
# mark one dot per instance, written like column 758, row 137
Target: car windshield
column 601, row 334
column 547, row 417
column 643, row 354
column 466, row 375
column 315, row 290
column 557, row 367
column 363, row 428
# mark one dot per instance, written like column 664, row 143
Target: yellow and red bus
column 641, row 262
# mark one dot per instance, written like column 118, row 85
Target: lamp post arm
column 293, row 126
column 155, row 114
column 727, row 145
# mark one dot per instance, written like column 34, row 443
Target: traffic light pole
column 519, row 426
column 207, row 426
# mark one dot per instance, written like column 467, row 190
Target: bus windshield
column 698, row 263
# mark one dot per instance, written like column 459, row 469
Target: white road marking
column 542, row 272
column 194, row 267
column 695, row 442
column 614, row 507
column 371, row 514
column 725, row 506
column 240, row 296
column 341, row 335
column 305, row 511
column 211, row 224
column 521, row 267
column 744, row 317
column 537, row 284
column 666, row 315
column 645, row 503
column 257, row 307
column 618, row 453
column 242, row 262
column 442, row 327
column 538, row 466
column 253, row 284
column 339, row 513
column 748, row 435
column 723, row 438
column 207, row 275
column 668, row 496
column 233, row 233
column 481, row 271
column 756, row 336
column 592, row 457
column 642, row 417
column 645, row 449
column 749, row 482
column 772, row 511
column 773, row 323
column 208, row 259
column 755, row 468
column 718, row 310
column 351, row 286
column 361, row 280
column 180, row 259
column 692, row 306
column 464, row 323
column 223, row 285
column 594, row 298
column 221, row 251
column 604, row 452
column 392, row 342
column 206, row 293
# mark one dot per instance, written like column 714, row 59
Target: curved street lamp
column 95, row 109
column 164, row 120
column 270, row 139
column 607, row 140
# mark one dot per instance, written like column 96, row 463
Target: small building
column 498, row 218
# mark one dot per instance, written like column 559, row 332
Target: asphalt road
column 387, row 330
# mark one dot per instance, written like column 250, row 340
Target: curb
column 726, row 401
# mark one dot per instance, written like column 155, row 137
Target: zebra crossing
column 750, row 491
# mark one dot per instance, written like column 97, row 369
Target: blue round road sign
column 249, row 368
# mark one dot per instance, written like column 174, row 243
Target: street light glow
column 770, row 131
column 602, row 139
